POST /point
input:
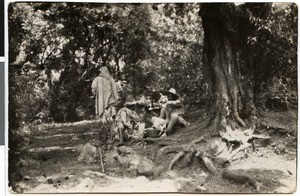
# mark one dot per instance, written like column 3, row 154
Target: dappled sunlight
column 152, row 97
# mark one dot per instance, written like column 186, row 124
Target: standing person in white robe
column 106, row 95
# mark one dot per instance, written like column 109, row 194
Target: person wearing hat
column 172, row 110
column 106, row 95
column 143, row 105
column 126, row 119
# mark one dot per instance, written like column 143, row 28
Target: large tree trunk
column 228, row 65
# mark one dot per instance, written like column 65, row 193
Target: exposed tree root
column 241, row 178
column 186, row 148
column 209, row 164
column 158, row 141
column 168, row 149
column 237, row 141
column 187, row 159
column 175, row 159
column 239, row 120
column 216, row 152
column 225, row 57
column 233, row 154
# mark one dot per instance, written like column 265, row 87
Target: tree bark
column 228, row 65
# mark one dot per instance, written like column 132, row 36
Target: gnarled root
column 241, row 178
column 198, row 140
column 209, row 164
column 187, row 148
column 216, row 156
column 233, row 154
column 168, row 149
column 187, row 159
column 175, row 159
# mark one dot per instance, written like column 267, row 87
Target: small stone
column 50, row 181
column 132, row 172
column 158, row 170
column 26, row 178
column 145, row 167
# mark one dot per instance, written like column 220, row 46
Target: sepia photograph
column 152, row 97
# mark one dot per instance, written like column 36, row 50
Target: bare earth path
column 51, row 165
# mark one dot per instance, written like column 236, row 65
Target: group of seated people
column 148, row 114
column 151, row 111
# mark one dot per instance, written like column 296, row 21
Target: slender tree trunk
column 226, row 28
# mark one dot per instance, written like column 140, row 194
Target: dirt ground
column 51, row 165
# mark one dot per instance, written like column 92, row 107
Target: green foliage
column 30, row 97
column 177, row 50
column 145, row 46
column 275, row 54
column 278, row 94
column 74, row 39
column 55, row 50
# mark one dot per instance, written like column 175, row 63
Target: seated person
column 127, row 119
column 149, row 113
column 143, row 103
column 172, row 110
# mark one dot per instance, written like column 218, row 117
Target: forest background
column 55, row 48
